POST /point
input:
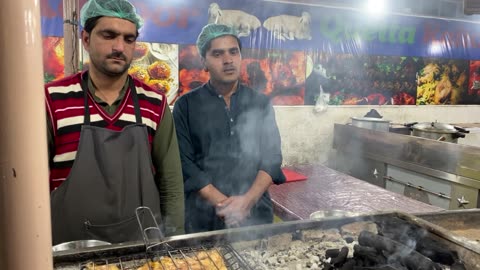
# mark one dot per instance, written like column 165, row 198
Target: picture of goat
column 289, row 27
column 241, row 21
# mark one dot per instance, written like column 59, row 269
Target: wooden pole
column 25, row 230
column 71, row 22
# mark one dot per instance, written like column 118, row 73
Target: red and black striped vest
column 65, row 108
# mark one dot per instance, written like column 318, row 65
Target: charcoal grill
column 157, row 253
column 133, row 255
column 462, row 224
column 143, row 259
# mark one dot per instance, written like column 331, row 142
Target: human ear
column 85, row 39
column 204, row 65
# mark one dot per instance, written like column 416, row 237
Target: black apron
column 111, row 176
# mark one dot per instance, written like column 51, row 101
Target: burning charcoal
column 247, row 244
column 327, row 266
column 383, row 267
column 458, row 265
column 417, row 238
column 341, row 258
column 348, row 265
column 434, row 250
column 349, row 239
column 297, row 235
column 399, row 230
column 332, row 253
column 354, row 229
column 409, row 257
column 280, row 241
column 369, row 254
column 323, row 235
column 314, row 259
column 398, row 226
column 271, row 260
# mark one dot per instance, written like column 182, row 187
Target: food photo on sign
column 191, row 72
column 473, row 91
column 278, row 74
column 347, row 79
column 292, row 52
column 442, row 81
column 53, row 55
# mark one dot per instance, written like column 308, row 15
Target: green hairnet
column 213, row 31
column 110, row 8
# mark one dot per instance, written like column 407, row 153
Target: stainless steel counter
column 440, row 173
column 327, row 189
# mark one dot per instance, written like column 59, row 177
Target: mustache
column 117, row 55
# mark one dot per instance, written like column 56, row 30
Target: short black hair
column 92, row 22
column 209, row 45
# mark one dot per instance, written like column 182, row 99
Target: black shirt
column 226, row 147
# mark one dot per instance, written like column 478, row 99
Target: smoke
column 258, row 143
column 353, row 158
column 400, row 254
column 412, row 246
column 317, row 79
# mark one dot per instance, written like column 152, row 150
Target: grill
column 202, row 257
column 304, row 244
column 159, row 254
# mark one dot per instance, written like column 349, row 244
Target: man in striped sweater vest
column 112, row 142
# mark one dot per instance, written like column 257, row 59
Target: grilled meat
column 203, row 260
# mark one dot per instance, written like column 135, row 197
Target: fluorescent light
column 435, row 48
column 376, row 6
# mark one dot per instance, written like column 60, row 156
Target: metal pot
column 438, row 131
column 371, row 123
column 78, row 245
column 400, row 129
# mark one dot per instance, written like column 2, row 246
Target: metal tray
column 461, row 224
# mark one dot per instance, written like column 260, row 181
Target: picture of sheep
column 289, row 27
column 241, row 21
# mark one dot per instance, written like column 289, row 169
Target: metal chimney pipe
column 25, row 230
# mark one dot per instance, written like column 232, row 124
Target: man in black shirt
column 229, row 142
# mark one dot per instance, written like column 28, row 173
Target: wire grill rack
column 206, row 257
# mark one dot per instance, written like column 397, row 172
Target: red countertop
column 327, row 189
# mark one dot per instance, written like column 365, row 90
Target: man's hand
column 212, row 195
column 235, row 209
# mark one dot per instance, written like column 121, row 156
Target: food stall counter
column 327, row 189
